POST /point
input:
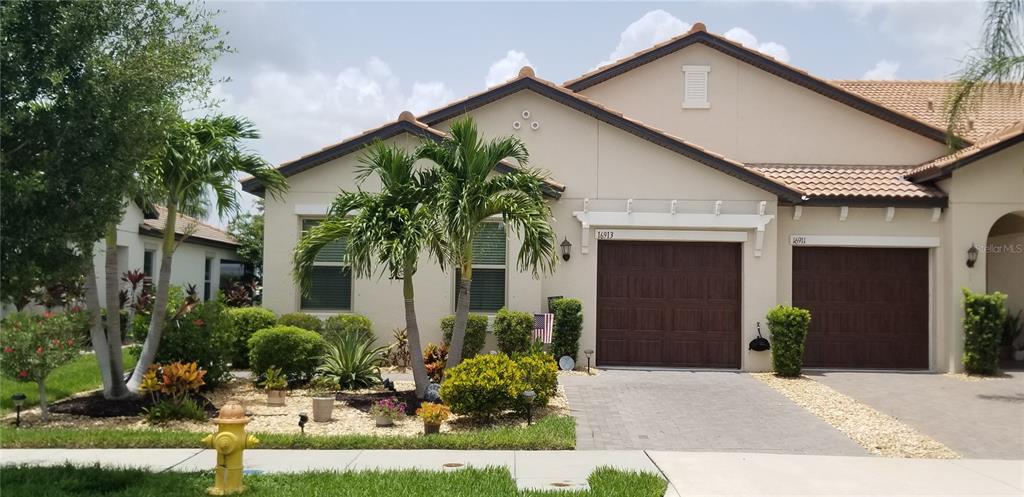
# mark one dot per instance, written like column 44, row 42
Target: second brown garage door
column 869, row 306
column 668, row 304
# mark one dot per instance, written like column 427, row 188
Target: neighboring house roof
column 198, row 231
column 406, row 123
column 699, row 34
column 853, row 184
column 528, row 81
column 1001, row 106
column 945, row 165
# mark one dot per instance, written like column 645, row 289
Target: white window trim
column 705, row 70
column 455, row 289
column 352, row 280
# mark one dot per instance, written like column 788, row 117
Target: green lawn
column 70, row 481
column 548, row 433
column 79, row 375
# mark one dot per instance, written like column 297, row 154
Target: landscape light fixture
column 303, row 419
column 19, row 401
column 566, row 249
column 588, row 352
column 972, row 255
column 528, row 396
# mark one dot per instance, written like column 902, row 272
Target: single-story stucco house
column 700, row 183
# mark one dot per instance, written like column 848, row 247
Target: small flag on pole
column 542, row 326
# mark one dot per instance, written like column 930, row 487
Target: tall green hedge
column 788, row 326
column 476, row 333
column 246, row 321
column 514, row 331
column 983, row 331
column 565, row 339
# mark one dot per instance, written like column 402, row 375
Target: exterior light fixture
column 19, row 401
column 972, row 255
column 588, row 352
column 528, row 396
column 566, row 249
column 303, row 419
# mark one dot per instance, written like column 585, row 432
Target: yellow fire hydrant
column 229, row 442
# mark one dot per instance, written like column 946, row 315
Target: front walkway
column 979, row 418
column 694, row 411
column 688, row 473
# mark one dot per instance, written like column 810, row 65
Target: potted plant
column 386, row 411
column 276, row 386
column 433, row 415
column 323, row 390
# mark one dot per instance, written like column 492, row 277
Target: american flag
column 542, row 325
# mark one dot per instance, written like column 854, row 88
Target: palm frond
column 309, row 247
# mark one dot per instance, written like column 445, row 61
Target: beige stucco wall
column 756, row 116
column 1006, row 269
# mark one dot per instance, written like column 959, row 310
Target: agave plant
column 353, row 361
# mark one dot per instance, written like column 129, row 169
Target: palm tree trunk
column 118, row 390
column 156, row 321
column 419, row 369
column 96, row 334
column 461, row 317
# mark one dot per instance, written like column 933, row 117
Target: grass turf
column 79, row 375
column 548, row 433
column 71, row 481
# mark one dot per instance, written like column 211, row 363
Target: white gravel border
column 879, row 433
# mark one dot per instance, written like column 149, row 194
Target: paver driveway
column 977, row 419
column 694, row 411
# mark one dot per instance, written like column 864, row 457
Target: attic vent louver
column 695, row 87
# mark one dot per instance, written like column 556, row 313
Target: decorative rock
column 566, row 363
column 433, row 393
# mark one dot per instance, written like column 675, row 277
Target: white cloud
column 771, row 48
column 884, row 69
column 654, row 27
column 506, row 68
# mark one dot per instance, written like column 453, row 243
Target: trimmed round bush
column 344, row 324
column 788, row 326
column 246, row 321
column 514, row 331
column 983, row 331
column 565, row 337
column 540, row 374
column 295, row 350
column 483, row 386
column 301, row 320
column 476, row 333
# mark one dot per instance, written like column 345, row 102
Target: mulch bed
column 95, row 406
column 363, row 401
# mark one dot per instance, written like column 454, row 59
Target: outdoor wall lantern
column 566, row 249
column 19, row 401
column 972, row 255
column 528, row 397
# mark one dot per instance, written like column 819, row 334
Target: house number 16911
column 605, row 235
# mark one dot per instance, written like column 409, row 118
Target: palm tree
column 469, row 194
column 198, row 157
column 998, row 62
column 390, row 228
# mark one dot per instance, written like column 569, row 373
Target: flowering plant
column 433, row 413
column 33, row 345
column 391, row 408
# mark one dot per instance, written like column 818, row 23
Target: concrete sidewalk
column 689, row 473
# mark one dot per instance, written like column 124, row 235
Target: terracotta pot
column 276, row 397
column 322, row 407
column 431, row 428
column 384, row 421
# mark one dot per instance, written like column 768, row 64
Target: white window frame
column 209, row 292
column 351, row 279
column 455, row 287
column 699, row 71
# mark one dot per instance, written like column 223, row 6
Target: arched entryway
column 1004, row 268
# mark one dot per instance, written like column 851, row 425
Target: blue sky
column 312, row 73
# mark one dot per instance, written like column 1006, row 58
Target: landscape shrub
column 246, row 321
column 200, row 332
column 295, row 350
column 788, row 326
column 33, row 346
column 342, row 324
column 540, row 374
column 565, row 338
column 483, row 386
column 514, row 331
column 170, row 387
column 476, row 333
column 301, row 320
column 984, row 317
column 435, row 357
column 353, row 361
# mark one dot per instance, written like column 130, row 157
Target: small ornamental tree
column 565, row 339
column 33, row 346
column 983, row 331
column 788, row 326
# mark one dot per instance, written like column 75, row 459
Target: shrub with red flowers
column 33, row 346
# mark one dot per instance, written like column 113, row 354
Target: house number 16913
column 605, row 235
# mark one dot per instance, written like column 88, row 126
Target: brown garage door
column 869, row 306
column 668, row 304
